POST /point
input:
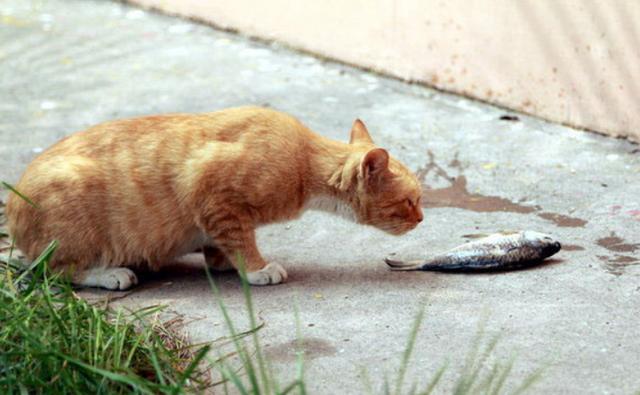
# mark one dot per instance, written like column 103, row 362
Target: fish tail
column 402, row 265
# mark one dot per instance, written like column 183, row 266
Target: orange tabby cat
column 145, row 191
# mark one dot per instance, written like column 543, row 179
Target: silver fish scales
column 500, row 251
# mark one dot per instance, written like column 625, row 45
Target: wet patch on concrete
column 312, row 348
column 617, row 264
column 563, row 221
column 614, row 243
column 572, row 247
column 457, row 195
column 455, row 162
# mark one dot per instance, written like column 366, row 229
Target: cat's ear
column 359, row 133
column 374, row 164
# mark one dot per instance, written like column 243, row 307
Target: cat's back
column 165, row 136
column 153, row 149
column 177, row 128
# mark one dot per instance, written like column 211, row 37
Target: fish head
column 545, row 243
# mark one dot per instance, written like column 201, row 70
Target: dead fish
column 499, row 251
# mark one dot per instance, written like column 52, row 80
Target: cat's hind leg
column 115, row 278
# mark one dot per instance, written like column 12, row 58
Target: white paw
column 273, row 273
column 117, row 278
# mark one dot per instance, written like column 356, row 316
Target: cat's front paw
column 273, row 273
column 115, row 278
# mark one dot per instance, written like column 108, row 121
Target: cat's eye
column 410, row 203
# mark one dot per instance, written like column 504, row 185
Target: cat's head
column 387, row 194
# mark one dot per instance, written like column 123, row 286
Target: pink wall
column 575, row 62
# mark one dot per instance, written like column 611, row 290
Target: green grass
column 51, row 341
column 476, row 376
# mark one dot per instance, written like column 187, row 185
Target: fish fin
column 510, row 249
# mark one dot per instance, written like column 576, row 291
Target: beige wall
column 575, row 62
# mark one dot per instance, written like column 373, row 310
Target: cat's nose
column 420, row 217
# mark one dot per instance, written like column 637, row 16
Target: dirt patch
column 455, row 163
column 312, row 347
column 457, row 195
column 614, row 243
column 572, row 247
column 563, row 221
column 617, row 264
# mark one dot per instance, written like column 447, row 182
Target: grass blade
column 156, row 366
column 37, row 268
column 242, row 353
column 125, row 379
column 290, row 387
column 502, row 378
column 368, row 387
column 300, row 351
column 23, row 197
column 409, row 350
column 463, row 385
column 435, row 380
column 479, row 364
column 264, row 375
column 230, row 375
column 191, row 368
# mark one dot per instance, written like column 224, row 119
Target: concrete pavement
column 66, row 65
